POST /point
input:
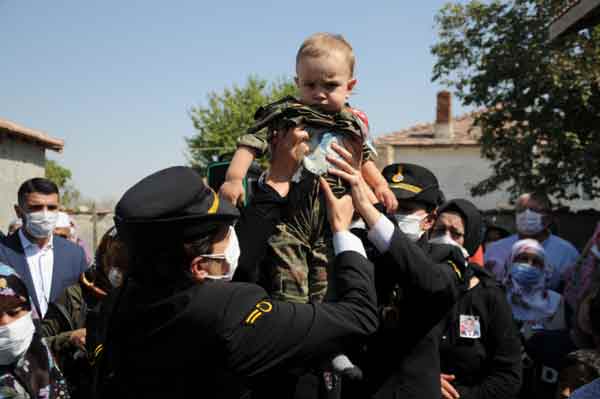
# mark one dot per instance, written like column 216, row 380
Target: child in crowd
column 298, row 254
column 325, row 79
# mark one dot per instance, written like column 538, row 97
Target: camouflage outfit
column 298, row 254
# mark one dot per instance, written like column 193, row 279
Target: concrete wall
column 85, row 227
column 458, row 169
column 19, row 161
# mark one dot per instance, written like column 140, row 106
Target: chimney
column 443, row 119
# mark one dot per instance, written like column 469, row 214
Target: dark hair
column 36, row 185
column 112, row 252
column 164, row 263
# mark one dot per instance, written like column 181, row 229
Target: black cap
column 174, row 202
column 414, row 182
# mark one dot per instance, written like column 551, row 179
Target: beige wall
column 19, row 161
column 85, row 228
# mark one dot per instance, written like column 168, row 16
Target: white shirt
column 346, row 241
column 560, row 255
column 41, row 265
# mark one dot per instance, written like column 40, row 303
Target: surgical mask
column 15, row 338
column 529, row 222
column 231, row 256
column 410, row 225
column 525, row 275
column 115, row 276
column 446, row 239
column 41, row 224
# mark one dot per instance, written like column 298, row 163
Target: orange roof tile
column 422, row 134
column 32, row 135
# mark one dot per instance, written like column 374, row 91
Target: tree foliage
column 541, row 101
column 227, row 115
column 61, row 176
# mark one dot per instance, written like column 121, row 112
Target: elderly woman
column 480, row 350
column 27, row 369
column 534, row 306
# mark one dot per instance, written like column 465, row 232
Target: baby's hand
column 387, row 197
column 233, row 191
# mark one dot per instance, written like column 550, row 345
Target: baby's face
column 324, row 81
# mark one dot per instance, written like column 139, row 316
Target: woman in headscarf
column 27, row 369
column 66, row 325
column 534, row 306
column 480, row 350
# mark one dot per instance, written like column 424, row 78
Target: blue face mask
column 525, row 275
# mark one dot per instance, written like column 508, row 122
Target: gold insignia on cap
column 398, row 177
column 407, row 187
column 2, row 283
column 215, row 205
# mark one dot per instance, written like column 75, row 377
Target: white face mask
column 15, row 338
column 410, row 225
column 447, row 239
column 231, row 255
column 41, row 224
column 115, row 276
column 529, row 222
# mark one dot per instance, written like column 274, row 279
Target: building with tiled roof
column 450, row 148
column 22, row 157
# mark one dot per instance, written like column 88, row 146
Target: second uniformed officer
column 180, row 329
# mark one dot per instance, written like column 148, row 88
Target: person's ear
column 18, row 211
column 428, row 222
column 350, row 85
column 197, row 270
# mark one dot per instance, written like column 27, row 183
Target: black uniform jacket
column 487, row 367
column 403, row 358
column 208, row 340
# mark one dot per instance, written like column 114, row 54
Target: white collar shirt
column 41, row 265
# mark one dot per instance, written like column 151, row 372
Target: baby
column 301, row 248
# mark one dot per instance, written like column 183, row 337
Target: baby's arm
column 377, row 182
column 233, row 188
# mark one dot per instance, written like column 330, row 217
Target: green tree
column 541, row 101
column 61, row 176
column 227, row 116
column 57, row 174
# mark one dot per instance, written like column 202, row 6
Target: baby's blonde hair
column 320, row 44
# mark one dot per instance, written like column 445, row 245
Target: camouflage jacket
column 289, row 112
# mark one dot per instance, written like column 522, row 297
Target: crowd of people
column 333, row 280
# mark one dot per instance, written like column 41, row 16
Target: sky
column 116, row 79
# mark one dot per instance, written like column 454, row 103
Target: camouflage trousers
column 301, row 249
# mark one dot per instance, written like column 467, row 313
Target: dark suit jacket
column 69, row 263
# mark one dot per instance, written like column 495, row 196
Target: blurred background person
column 64, row 325
column 533, row 218
column 581, row 368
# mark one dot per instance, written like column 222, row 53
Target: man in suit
column 47, row 263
